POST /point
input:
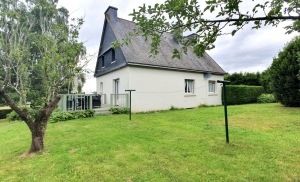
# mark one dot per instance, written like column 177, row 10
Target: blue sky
column 248, row 51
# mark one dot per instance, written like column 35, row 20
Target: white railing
column 119, row 101
column 74, row 102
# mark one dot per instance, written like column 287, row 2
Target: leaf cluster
column 39, row 49
column 178, row 16
column 59, row 116
column 119, row 110
column 242, row 94
column 266, row 98
column 285, row 74
column 245, row 78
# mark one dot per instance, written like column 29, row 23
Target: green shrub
column 175, row 108
column 241, row 94
column 284, row 74
column 205, row 105
column 119, row 110
column 266, row 98
column 4, row 112
column 148, row 112
column 58, row 115
column 13, row 116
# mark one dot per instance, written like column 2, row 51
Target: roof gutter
column 174, row 68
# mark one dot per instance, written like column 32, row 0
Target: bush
column 119, row 110
column 13, row 116
column 241, row 94
column 265, row 81
column 4, row 112
column 266, row 98
column 175, row 108
column 284, row 73
column 58, row 115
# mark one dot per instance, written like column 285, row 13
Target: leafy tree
column 38, row 53
column 79, row 81
column 265, row 81
column 189, row 15
column 284, row 74
column 244, row 78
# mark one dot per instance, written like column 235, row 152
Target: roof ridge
column 136, row 51
column 126, row 20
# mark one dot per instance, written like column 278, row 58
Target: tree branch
column 244, row 20
column 22, row 113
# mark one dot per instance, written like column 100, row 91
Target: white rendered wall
column 160, row 89
column 108, row 82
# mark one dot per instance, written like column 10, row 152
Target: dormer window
column 113, row 56
column 102, row 61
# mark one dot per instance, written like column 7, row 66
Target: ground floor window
column 212, row 86
column 101, row 87
column 189, row 86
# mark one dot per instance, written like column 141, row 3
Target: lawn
column 180, row 145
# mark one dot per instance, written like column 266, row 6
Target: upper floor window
column 113, row 55
column 212, row 86
column 102, row 61
column 189, row 86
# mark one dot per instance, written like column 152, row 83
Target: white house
column 160, row 82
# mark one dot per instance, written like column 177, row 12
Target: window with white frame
column 189, row 86
column 212, row 86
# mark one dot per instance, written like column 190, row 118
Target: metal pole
column 225, row 111
column 225, row 108
column 130, row 103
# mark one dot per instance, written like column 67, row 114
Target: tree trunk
column 37, row 125
column 38, row 130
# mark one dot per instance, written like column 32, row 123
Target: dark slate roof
column 137, row 52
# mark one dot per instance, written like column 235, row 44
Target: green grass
column 179, row 145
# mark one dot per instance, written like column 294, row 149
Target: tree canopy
column 39, row 53
column 284, row 74
column 209, row 21
column 245, row 78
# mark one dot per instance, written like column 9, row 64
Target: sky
column 248, row 51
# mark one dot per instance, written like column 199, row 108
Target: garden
column 175, row 145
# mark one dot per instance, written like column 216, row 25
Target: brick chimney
column 112, row 14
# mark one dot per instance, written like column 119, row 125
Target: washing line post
column 225, row 107
column 129, row 102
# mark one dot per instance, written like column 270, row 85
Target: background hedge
column 242, row 94
column 4, row 112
